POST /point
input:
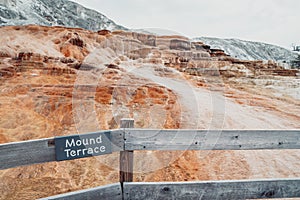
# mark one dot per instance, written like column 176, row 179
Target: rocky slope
column 60, row 81
column 53, row 13
column 248, row 50
column 69, row 14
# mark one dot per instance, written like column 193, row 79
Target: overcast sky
column 271, row 21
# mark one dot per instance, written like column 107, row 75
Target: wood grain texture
column 41, row 151
column 126, row 123
column 126, row 166
column 26, row 153
column 211, row 139
column 117, row 140
column 126, row 157
column 248, row 189
column 107, row 192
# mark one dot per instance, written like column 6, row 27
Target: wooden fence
column 126, row 140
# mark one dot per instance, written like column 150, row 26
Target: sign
column 81, row 146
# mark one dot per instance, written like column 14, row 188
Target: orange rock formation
column 59, row 81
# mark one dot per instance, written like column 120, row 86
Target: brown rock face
column 180, row 44
column 60, row 81
column 104, row 32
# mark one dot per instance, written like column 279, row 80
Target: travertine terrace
column 60, row 81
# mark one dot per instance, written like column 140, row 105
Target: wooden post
column 126, row 157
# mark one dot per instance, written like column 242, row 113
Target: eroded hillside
column 60, row 81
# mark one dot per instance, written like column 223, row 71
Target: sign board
column 81, row 146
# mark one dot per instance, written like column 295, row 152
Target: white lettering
column 96, row 149
column 99, row 139
column 78, row 143
column 78, row 151
column 92, row 141
column 67, row 150
column 102, row 149
column 82, row 147
column 70, row 144
column 83, row 151
column 85, row 142
column 73, row 153
column 90, row 151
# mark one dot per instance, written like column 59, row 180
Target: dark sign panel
column 81, row 146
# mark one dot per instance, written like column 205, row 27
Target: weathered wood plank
column 105, row 192
column 117, row 140
column 126, row 157
column 41, row 151
column 244, row 189
column 141, row 139
column 126, row 166
column 26, row 153
column 126, row 123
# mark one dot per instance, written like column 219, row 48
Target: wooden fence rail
column 26, row 153
column 112, row 191
column 209, row 190
column 126, row 140
column 204, row 190
column 141, row 139
column 40, row 151
column 43, row 150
